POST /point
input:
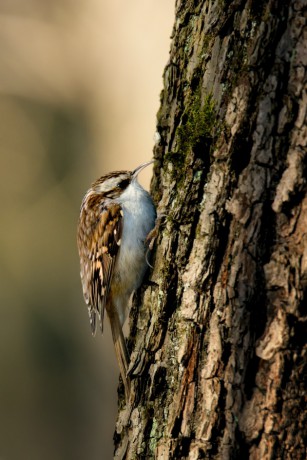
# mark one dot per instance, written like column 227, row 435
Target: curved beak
column 140, row 168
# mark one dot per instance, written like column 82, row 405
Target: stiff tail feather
column 122, row 354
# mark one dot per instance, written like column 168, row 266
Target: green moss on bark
column 197, row 123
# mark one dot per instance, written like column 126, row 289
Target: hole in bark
column 176, row 427
column 295, row 199
column 201, row 454
column 171, row 299
column 241, row 154
column 202, row 150
column 267, row 239
column 222, row 224
column 251, row 372
column 195, row 81
column 183, row 448
column 159, row 383
column 257, row 9
column 220, row 425
column 227, row 27
column 226, row 352
column 242, row 451
column 297, row 330
column 302, row 309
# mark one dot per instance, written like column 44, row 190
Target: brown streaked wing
column 98, row 242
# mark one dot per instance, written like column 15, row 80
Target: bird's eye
column 123, row 184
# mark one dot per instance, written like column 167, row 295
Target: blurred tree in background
column 79, row 86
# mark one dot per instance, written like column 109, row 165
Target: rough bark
column 218, row 346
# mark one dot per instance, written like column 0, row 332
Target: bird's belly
column 131, row 263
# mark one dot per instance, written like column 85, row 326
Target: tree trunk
column 218, row 352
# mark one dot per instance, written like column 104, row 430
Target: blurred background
column 79, row 90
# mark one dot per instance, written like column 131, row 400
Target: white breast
column 139, row 219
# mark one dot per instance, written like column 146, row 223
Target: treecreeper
column 117, row 214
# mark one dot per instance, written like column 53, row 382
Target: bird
column 117, row 214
